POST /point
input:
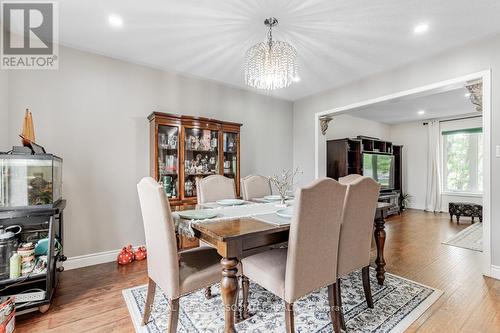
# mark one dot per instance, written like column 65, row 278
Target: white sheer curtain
column 433, row 194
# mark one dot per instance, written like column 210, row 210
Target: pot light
column 115, row 21
column 296, row 79
column 421, row 28
column 421, row 112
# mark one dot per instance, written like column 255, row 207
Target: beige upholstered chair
column 175, row 273
column 349, row 179
column 310, row 262
column 356, row 233
column 213, row 188
column 255, row 186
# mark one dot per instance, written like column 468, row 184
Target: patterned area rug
column 470, row 238
column 397, row 304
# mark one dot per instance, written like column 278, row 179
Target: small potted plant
column 405, row 200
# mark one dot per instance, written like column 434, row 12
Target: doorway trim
column 485, row 76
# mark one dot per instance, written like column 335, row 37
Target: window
column 463, row 160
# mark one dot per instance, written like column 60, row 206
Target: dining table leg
column 380, row 241
column 229, row 291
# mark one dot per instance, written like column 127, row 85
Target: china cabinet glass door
column 230, row 145
column 168, row 159
column 201, row 157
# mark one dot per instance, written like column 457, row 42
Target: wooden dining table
column 240, row 237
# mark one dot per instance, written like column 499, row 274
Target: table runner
column 273, row 218
column 184, row 227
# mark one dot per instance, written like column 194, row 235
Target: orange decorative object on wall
column 126, row 255
column 141, row 253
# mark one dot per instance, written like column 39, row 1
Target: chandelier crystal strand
column 271, row 64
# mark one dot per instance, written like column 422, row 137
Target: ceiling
column 436, row 104
column 337, row 41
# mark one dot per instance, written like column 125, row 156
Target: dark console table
column 393, row 199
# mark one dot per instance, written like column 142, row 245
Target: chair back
column 357, row 225
column 163, row 264
column 349, row 179
column 255, row 186
column 213, row 188
column 313, row 240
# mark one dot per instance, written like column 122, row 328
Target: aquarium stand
column 35, row 221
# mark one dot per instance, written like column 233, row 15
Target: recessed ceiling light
column 115, row 21
column 296, row 79
column 421, row 28
column 421, row 112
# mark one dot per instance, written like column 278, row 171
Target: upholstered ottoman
column 469, row 209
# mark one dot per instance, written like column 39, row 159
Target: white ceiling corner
column 337, row 41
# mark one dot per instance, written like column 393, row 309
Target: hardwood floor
column 90, row 300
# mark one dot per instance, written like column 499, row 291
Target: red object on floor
column 141, row 253
column 126, row 255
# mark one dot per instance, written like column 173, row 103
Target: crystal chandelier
column 271, row 64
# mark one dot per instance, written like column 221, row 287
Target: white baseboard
column 91, row 259
column 495, row 272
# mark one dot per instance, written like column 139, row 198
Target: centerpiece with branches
column 284, row 182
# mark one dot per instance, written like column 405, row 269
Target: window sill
column 463, row 194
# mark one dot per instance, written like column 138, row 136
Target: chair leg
column 174, row 315
column 289, row 321
column 149, row 301
column 245, row 283
column 208, row 293
column 338, row 295
column 334, row 307
column 365, row 271
column 237, row 312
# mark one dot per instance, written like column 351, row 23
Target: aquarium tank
column 30, row 181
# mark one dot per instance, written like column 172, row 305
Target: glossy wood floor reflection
column 90, row 299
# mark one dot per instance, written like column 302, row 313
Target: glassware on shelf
column 201, row 152
column 230, row 142
column 172, row 142
column 188, row 188
column 234, row 164
column 201, row 140
column 168, row 158
column 230, row 154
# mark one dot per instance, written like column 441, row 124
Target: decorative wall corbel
column 323, row 122
column 476, row 95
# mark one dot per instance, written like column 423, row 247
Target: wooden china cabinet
column 183, row 148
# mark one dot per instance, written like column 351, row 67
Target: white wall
column 4, row 114
column 457, row 62
column 346, row 126
column 413, row 137
column 92, row 112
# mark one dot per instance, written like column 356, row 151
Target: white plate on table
column 202, row 214
column 274, row 197
column 285, row 212
column 230, row 202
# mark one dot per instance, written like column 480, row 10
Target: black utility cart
column 31, row 204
